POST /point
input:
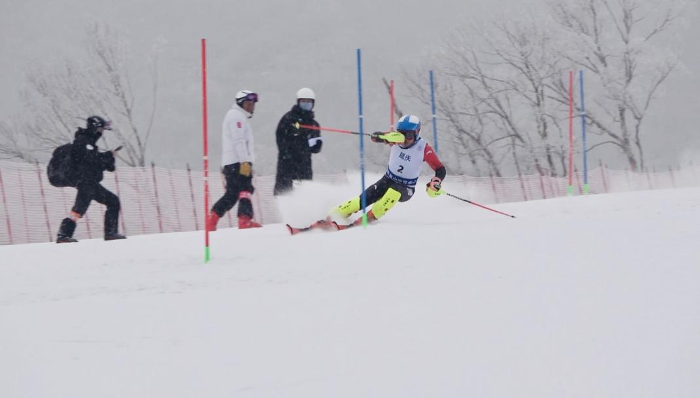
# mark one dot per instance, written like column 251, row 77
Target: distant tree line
column 61, row 96
column 502, row 90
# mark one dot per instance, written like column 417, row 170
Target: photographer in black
column 87, row 166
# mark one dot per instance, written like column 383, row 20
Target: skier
column 295, row 145
column 237, row 160
column 86, row 172
column 399, row 181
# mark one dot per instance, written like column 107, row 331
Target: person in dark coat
column 296, row 144
column 88, row 166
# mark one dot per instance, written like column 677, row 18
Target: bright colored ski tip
column 394, row 137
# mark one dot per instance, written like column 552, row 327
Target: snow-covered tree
column 504, row 85
column 615, row 42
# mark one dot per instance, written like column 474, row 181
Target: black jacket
column 89, row 163
column 294, row 157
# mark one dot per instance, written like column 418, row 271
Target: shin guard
column 347, row 208
column 384, row 204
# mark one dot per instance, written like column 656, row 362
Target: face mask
column 307, row 106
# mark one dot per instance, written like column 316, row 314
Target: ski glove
column 434, row 187
column 314, row 141
column 377, row 136
column 245, row 169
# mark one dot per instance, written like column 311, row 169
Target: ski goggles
column 250, row 97
column 408, row 134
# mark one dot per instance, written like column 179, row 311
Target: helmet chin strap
column 413, row 143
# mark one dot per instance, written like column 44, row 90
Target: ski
column 342, row 227
column 323, row 225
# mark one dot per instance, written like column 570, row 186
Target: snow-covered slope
column 592, row 296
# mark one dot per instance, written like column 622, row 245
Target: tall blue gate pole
column 583, row 132
column 432, row 99
column 363, row 199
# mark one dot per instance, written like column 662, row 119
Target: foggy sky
column 277, row 47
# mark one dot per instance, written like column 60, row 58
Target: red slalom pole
column 206, row 151
column 393, row 105
column 476, row 204
column 7, row 210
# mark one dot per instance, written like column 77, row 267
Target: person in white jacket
column 237, row 162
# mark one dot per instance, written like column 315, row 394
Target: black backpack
column 60, row 169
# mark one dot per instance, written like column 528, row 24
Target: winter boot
column 114, row 236
column 245, row 222
column 212, row 220
column 65, row 233
column 65, row 239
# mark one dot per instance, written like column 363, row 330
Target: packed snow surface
column 587, row 296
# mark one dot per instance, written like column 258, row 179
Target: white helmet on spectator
column 306, row 93
column 246, row 95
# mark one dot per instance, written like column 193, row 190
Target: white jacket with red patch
column 237, row 137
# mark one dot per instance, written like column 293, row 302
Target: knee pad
column 244, row 195
column 387, row 201
column 348, row 208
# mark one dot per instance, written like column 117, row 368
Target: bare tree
column 496, row 97
column 59, row 98
column 612, row 40
column 14, row 145
column 505, row 84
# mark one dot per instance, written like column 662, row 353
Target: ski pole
column 303, row 126
column 392, row 136
column 476, row 204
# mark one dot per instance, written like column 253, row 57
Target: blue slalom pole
column 583, row 132
column 432, row 99
column 363, row 196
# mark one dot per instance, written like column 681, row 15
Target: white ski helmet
column 246, row 95
column 306, row 93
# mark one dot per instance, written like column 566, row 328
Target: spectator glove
column 245, row 169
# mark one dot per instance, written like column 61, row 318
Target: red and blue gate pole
column 432, row 102
column 583, row 133
column 206, row 151
column 363, row 196
column 571, row 133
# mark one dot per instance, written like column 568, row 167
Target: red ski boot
column 212, row 220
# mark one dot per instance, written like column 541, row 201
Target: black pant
column 284, row 182
column 87, row 192
column 290, row 170
column 283, row 185
column 235, row 184
column 379, row 188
